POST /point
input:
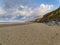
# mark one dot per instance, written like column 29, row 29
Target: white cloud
column 25, row 11
column 21, row 7
column 43, row 9
column 2, row 11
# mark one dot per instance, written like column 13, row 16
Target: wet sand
column 30, row 34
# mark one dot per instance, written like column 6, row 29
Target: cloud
column 22, row 7
column 24, row 13
column 2, row 11
column 27, row 11
column 43, row 9
column 24, row 10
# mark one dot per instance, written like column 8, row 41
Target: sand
column 30, row 34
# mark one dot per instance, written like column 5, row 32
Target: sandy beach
column 30, row 34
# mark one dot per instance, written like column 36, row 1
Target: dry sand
column 31, row 34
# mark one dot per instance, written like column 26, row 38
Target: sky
column 22, row 10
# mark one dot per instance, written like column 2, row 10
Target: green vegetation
column 52, row 16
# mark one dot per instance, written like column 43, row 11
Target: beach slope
column 30, row 34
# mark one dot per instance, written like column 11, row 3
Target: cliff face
column 52, row 16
